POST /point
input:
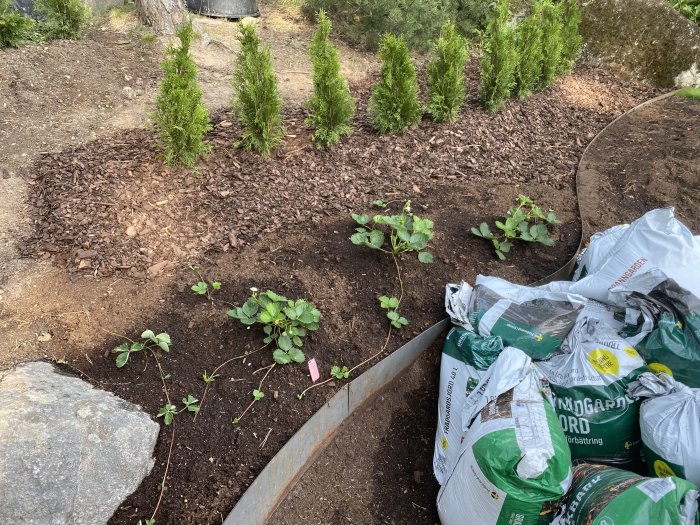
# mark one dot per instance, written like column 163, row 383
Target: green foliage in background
column 530, row 53
column 446, row 78
column 364, row 22
column 13, row 25
column 257, row 102
column 64, row 18
column 331, row 105
column 552, row 44
column 499, row 58
column 394, row 105
column 688, row 8
column 181, row 118
column 570, row 36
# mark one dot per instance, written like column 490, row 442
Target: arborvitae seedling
column 499, row 58
column 446, row 79
column 257, row 102
column 394, row 105
column 529, row 45
column 64, row 18
column 551, row 41
column 331, row 105
column 571, row 38
column 181, row 118
column 12, row 25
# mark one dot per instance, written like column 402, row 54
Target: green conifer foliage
column 64, row 18
column 446, row 78
column 551, row 42
column 12, row 25
column 181, row 118
column 331, row 105
column 571, row 38
column 257, row 102
column 529, row 44
column 394, row 105
column 499, row 58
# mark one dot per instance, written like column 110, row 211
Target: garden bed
column 112, row 209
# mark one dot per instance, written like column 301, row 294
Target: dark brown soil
column 283, row 223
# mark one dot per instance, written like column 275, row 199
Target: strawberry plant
column 285, row 322
column 149, row 341
column 340, row 373
column 526, row 222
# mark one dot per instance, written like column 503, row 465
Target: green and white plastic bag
column 670, row 424
column 599, row 247
column 534, row 319
column 603, row 495
column 465, row 358
column 514, row 463
column 600, row 420
column 655, row 241
column 663, row 324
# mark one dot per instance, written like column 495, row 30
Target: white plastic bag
column 670, row 424
column 599, row 247
column 657, row 240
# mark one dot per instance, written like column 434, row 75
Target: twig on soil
column 264, row 441
column 255, row 396
column 213, row 374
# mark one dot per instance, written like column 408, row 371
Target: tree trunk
column 164, row 16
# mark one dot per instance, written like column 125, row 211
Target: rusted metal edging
column 259, row 502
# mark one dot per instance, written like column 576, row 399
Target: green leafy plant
column 552, row 44
column 379, row 203
column 391, row 304
column 64, row 18
column 13, row 25
column 688, row 8
column 525, row 222
column 147, row 522
column 393, row 105
column 331, row 105
column 285, row 322
column 257, row 102
column 180, row 116
column 149, row 341
column 202, row 288
column 446, row 78
column 209, row 378
column 689, row 92
column 340, row 373
column 499, row 58
column 169, row 411
column 528, row 39
column 570, row 35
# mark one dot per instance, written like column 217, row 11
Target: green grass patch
column 689, row 92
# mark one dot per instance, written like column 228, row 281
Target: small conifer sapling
column 257, row 102
column 446, row 78
column 181, row 118
column 499, row 58
column 394, row 104
column 571, row 38
column 331, row 106
column 551, row 42
column 529, row 46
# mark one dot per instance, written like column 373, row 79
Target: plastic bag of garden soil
column 657, row 240
column 599, row 247
column 514, row 463
column 603, row 495
column 458, row 297
column 534, row 319
column 670, row 424
column 465, row 358
column 663, row 324
column 600, row 420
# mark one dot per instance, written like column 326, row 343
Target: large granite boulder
column 646, row 39
column 69, row 453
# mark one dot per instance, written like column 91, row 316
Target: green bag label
column 536, row 344
column 661, row 467
column 470, row 348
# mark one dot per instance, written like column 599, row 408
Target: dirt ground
column 83, row 176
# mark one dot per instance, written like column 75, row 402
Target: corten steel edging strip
column 269, row 489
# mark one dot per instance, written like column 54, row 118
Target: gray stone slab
column 69, row 453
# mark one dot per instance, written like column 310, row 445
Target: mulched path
column 283, row 223
column 112, row 208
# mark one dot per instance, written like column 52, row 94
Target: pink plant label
column 313, row 369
